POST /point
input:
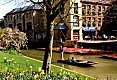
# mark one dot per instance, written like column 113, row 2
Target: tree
column 110, row 17
column 52, row 9
column 12, row 38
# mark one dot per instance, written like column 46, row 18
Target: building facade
column 29, row 19
column 86, row 18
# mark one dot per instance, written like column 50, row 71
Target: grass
column 17, row 61
column 11, row 61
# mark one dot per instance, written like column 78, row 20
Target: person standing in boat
column 61, row 52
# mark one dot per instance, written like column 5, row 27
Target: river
column 106, row 69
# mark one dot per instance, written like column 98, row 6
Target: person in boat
column 69, row 60
column 61, row 52
column 73, row 59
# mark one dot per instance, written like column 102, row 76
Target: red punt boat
column 84, row 51
column 109, row 56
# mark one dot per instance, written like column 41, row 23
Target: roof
column 25, row 8
column 96, row 2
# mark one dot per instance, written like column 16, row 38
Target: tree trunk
column 48, row 50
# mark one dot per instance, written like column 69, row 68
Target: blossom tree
column 12, row 38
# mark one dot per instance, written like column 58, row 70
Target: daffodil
column 17, row 69
column 4, row 57
column 64, row 72
column 44, row 77
column 21, row 74
column 6, row 68
column 42, row 72
column 36, row 76
column 61, row 70
column 75, row 79
column 39, row 69
column 31, row 67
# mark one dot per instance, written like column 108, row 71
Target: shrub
column 12, row 38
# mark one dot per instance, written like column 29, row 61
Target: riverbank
column 14, row 65
column 105, row 69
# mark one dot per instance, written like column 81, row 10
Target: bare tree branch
column 8, row 2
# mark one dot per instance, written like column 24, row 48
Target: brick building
column 29, row 19
column 84, row 19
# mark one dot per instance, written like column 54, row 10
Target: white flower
column 4, row 57
column 31, row 67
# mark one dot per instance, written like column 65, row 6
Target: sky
column 6, row 7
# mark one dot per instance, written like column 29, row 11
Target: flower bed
column 14, row 66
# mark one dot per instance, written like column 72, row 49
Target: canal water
column 106, row 69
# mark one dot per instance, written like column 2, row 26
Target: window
column 8, row 18
column 30, row 36
column 93, row 10
column 99, row 10
column 11, row 17
column 84, row 21
column 89, row 21
column 26, row 15
column 93, row 21
column 30, row 15
column 19, row 16
column 19, row 26
column 88, row 9
column 84, row 9
column 29, row 26
column 62, row 8
column 75, row 21
column 10, row 25
column 103, row 10
column 99, row 22
column 76, row 8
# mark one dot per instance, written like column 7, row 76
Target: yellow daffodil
column 44, row 77
column 39, row 69
column 17, row 69
column 36, row 76
column 61, row 70
column 21, row 74
column 75, row 79
column 42, row 72
column 64, row 72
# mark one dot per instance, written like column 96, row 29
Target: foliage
column 110, row 17
column 40, row 75
column 12, row 38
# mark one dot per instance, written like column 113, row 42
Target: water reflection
column 106, row 69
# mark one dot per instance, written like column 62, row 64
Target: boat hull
column 82, row 63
